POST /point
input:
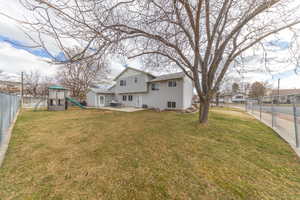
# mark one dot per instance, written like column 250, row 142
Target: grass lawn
column 94, row 154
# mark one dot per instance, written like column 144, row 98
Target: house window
column 51, row 102
column 122, row 82
column 135, row 79
column 155, row 86
column 130, row 98
column 59, row 102
column 172, row 83
column 124, row 98
column 171, row 104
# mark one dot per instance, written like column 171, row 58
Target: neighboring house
column 136, row 88
column 233, row 98
column 239, row 98
column 10, row 86
column 225, row 98
column 285, row 96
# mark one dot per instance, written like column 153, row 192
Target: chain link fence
column 282, row 113
column 9, row 106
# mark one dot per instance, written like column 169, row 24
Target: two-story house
column 136, row 88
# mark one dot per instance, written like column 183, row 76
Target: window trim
column 171, row 104
column 153, row 88
column 122, row 82
column 172, row 83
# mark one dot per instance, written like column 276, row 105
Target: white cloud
column 15, row 61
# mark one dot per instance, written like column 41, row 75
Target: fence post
column 260, row 108
column 295, row 122
column 1, row 118
column 272, row 111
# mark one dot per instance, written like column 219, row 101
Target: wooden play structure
column 58, row 99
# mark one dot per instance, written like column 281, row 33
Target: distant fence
column 9, row 106
column 34, row 102
column 282, row 113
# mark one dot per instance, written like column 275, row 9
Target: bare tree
column 45, row 83
column 258, row 90
column 202, row 38
column 79, row 76
column 235, row 87
column 36, row 84
column 32, row 81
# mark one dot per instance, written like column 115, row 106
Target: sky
column 15, row 58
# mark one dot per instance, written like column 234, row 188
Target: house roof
column 101, row 91
column 127, row 68
column 165, row 77
column 285, row 92
column 57, row 87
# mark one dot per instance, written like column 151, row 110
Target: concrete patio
column 122, row 109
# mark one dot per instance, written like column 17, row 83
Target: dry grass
column 93, row 154
column 232, row 112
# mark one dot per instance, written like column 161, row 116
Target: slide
column 75, row 102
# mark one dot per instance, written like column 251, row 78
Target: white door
column 138, row 101
column 101, row 101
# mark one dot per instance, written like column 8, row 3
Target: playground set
column 58, row 99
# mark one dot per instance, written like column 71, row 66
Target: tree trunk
column 203, row 112
column 218, row 99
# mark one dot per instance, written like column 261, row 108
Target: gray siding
column 142, row 94
column 131, row 86
column 188, row 92
column 91, row 99
column 133, row 103
column 159, row 98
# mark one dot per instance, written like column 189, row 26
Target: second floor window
column 154, row 86
column 172, row 83
column 122, row 82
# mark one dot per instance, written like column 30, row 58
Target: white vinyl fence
column 35, row 102
column 9, row 107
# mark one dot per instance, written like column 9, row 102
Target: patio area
column 122, row 109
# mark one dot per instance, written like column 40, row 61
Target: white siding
column 132, row 86
column 91, row 99
column 159, row 98
column 128, row 103
column 188, row 92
